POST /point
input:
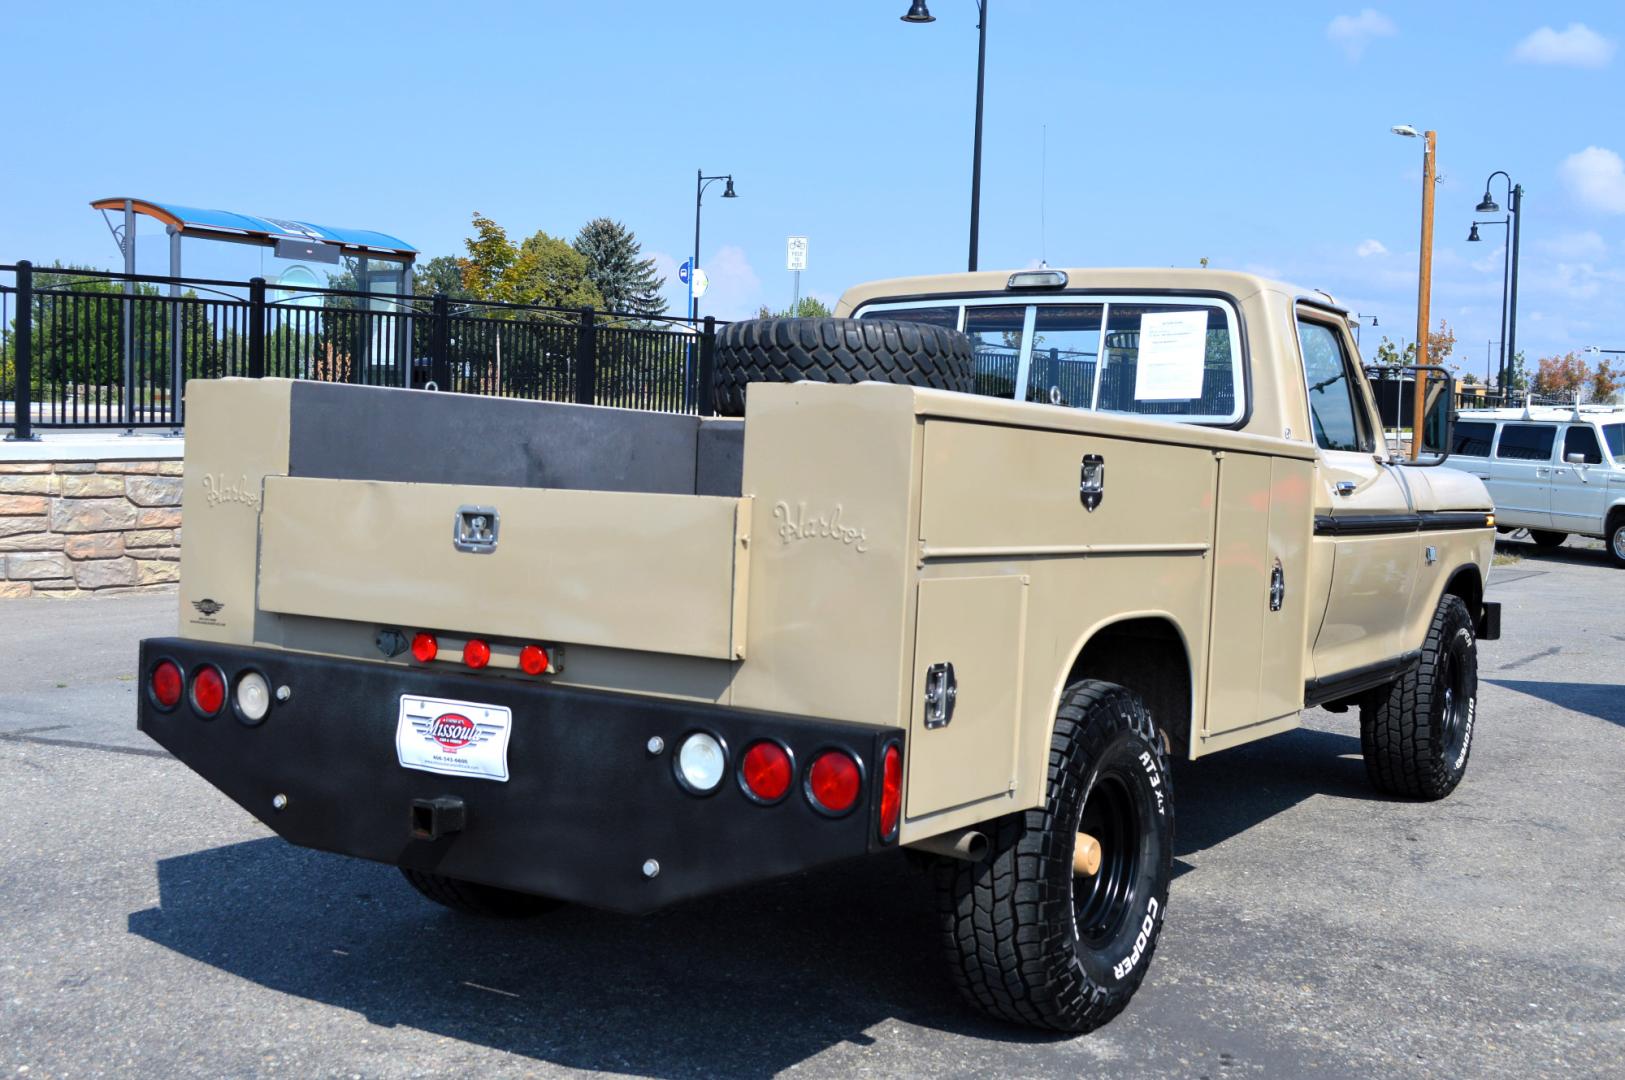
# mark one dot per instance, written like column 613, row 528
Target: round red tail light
column 208, row 690
column 833, row 782
column 891, row 791
column 167, row 684
column 476, row 654
column 766, row 772
column 533, row 659
column 425, row 648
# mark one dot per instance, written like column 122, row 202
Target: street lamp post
column 1424, row 275
column 1506, row 264
column 1510, row 304
column 1359, row 321
column 919, row 13
column 700, row 184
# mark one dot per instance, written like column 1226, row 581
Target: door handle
column 1540, row 472
column 1345, row 487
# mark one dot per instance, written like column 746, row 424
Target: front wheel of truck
column 1416, row 734
column 472, row 898
column 1049, row 930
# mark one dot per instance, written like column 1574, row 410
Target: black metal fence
column 85, row 348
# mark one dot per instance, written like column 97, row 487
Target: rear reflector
column 167, row 684
column 476, row 654
column 425, row 648
column 533, row 659
column 891, row 791
column 766, row 772
column 208, row 690
column 833, row 782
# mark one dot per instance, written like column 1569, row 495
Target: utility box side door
column 968, row 645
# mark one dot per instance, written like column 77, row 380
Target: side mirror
column 1438, row 427
column 1575, row 459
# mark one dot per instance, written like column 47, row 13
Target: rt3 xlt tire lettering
column 1028, row 941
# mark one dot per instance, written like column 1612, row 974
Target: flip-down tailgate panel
column 630, row 570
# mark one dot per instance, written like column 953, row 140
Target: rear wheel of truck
column 837, row 351
column 472, row 898
column 1416, row 733
column 1546, row 539
column 1032, row 936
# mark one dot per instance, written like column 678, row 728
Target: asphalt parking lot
column 152, row 928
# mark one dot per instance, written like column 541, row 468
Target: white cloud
column 735, row 291
column 1353, row 33
column 1596, row 179
column 1575, row 245
column 1578, row 46
column 1369, row 248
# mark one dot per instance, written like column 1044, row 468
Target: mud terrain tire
column 836, row 351
column 472, row 898
column 1027, row 941
column 1416, row 734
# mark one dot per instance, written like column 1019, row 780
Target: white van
column 1551, row 470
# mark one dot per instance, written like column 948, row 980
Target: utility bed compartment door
column 974, row 624
column 629, row 570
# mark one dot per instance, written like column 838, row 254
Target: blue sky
column 1255, row 135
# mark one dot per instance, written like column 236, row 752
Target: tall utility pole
column 1424, row 288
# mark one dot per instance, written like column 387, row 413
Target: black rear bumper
column 586, row 805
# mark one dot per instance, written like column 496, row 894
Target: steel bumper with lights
column 597, row 808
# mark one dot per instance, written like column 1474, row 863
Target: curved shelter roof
column 249, row 228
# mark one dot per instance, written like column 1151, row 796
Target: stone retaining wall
column 68, row 528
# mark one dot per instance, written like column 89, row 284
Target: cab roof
column 1233, row 283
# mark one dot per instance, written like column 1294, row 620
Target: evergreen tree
column 626, row 281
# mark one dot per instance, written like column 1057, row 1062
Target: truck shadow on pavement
column 1603, row 700
column 748, row 983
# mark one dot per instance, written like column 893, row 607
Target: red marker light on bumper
column 167, row 684
column 833, row 782
column 425, row 648
column 476, row 654
column 208, row 690
column 533, row 660
column 891, row 791
column 766, row 771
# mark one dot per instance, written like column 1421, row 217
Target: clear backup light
column 253, row 697
column 701, row 763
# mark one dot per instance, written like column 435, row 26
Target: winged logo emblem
column 208, row 608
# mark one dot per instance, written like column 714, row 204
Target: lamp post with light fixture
column 1359, row 321
column 1510, row 294
column 919, row 13
column 700, row 185
column 1506, row 264
column 1424, row 275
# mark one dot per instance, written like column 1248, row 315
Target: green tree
column 626, row 281
column 490, row 255
column 808, row 307
column 1392, row 355
column 441, row 274
column 551, row 273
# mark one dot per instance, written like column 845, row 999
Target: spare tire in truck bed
column 836, row 351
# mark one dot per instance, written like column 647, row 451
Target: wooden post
column 1424, row 289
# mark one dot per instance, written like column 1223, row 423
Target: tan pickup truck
column 980, row 556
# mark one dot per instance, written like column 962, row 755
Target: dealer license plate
column 453, row 738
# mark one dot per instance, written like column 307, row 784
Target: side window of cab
column 1335, row 410
column 1473, row 438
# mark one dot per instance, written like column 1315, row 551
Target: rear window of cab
column 1178, row 358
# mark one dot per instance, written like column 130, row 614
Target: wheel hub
column 1101, row 900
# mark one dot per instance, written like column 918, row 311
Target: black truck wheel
column 836, row 351
column 472, row 898
column 1546, row 539
column 1033, row 939
column 1416, row 734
